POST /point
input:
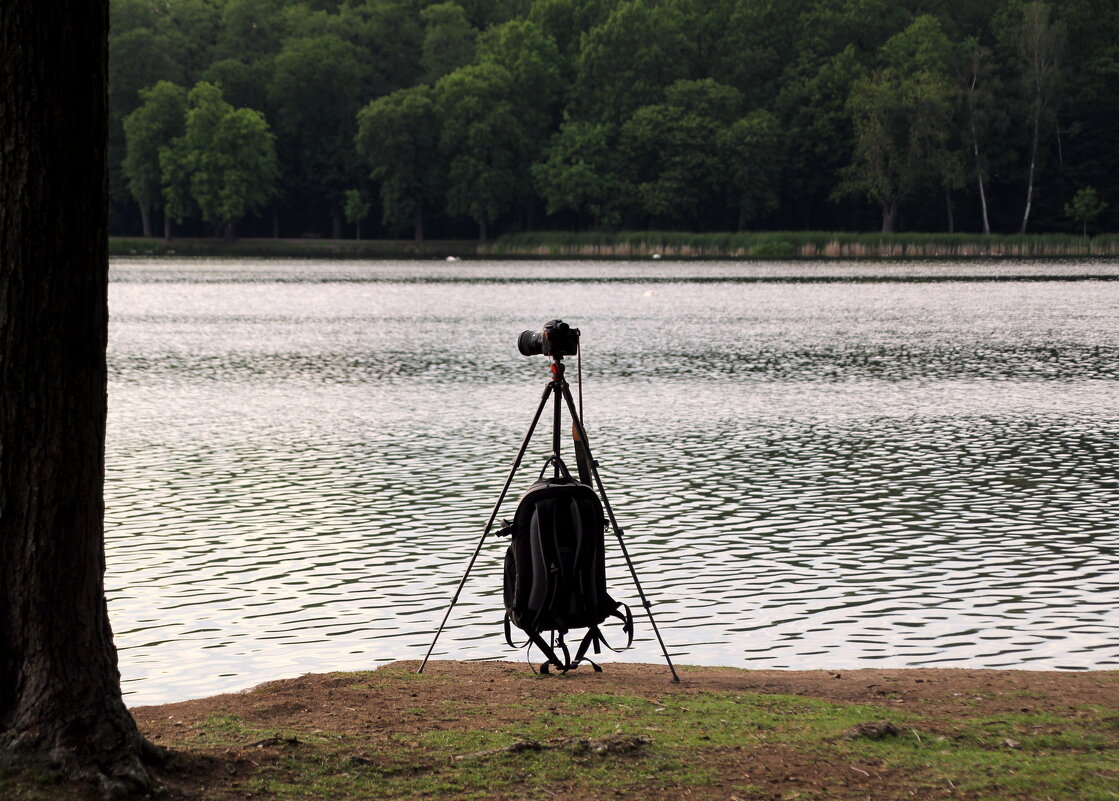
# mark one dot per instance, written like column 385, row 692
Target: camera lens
column 530, row 343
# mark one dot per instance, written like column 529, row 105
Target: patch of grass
column 701, row 744
column 1029, row 755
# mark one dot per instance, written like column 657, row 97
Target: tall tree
column 482, row 142
column 903, row 114
column 398, row 136
column 754, row 156
column 628, row 60
column 224, row 164
column 580, row 172
column 974, row 75
column 316, row 89
column 674, row 149
column 60, row 692
column 1039, row 44
column 148, row 129
column 449, row 40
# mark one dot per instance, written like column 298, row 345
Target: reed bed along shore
column 641, row 244
column 802, row 244
column 215, row 247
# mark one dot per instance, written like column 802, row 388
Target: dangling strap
column 509, row 634
column 549, row 652
column 627, row 626
column 592, row 638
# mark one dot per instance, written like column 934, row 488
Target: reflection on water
column 816, row 465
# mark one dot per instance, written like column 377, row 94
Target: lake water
column 816, row 465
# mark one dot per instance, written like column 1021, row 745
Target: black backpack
column 555, row 571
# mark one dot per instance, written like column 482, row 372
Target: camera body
column 556, row 339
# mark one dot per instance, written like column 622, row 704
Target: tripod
column 560, row 392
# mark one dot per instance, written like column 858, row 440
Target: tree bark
column 482, row 230
column 979, row 176
column 1030, row 184
column 889, row 216
column 59, row 686
column 335, row 224
column 418, row 223
column 146, row 219
column 948, row 206
column 229, row 233
column 166, row 227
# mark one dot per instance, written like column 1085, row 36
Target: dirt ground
column 330, row 702
column 504, row 694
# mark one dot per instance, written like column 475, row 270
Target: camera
column 556, row 339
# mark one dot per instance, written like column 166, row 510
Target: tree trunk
column 482, row 232
column 418, row 223
column 357, row 229
column 228, row 231
column 335, row 224
column 1030, row 184
column 275, row 225
column 948, row 205
column 166, row 227
column 146, row 219
column 982, row 190
column 889, row 216
column 59, row 685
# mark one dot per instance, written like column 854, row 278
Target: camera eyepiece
column 556, row 339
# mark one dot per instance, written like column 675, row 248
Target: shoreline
column 793, row 246
column 495, row 730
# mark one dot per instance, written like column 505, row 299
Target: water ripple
column 809, row 474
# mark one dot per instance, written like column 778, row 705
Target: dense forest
column 401, row 118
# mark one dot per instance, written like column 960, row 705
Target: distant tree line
column 456, row 119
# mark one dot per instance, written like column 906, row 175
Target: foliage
column 903, row 114
column 448, row 40
column 151, row 127
column 224, row 164
column 1085, row 207
column 398, row 136
column 844, row 110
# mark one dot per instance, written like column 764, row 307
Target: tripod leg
column 614, row 525
column 489, row 524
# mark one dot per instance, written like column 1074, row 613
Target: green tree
column 753, row 154
column 814, row 112
column 627, row 61
column 251, row 29
column 159, row 120
column 1084, row 208
column 224, row 164
column 316, row 89
column 139, row 57
column 398, row 137
column 356, row 209
column 567, row 20
column 448, row 42
column 903, row 116
column 674, row 149
column 531, row 59
column 580, row 172
column 482, row 142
